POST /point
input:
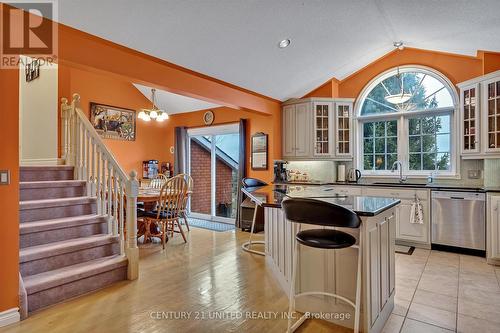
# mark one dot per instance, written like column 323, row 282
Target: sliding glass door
column 213, row 164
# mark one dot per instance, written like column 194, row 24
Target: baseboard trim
column 41, row 161
column 10, row 316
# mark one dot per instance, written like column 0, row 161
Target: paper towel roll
column 341, row 173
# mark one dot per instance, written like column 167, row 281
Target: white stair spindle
column 98, row 182
column 109, row 197
column 115, row 203
column 104, row 190
column 121, row 215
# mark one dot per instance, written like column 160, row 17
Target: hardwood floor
column 209, row 275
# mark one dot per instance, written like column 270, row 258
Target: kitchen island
column 334, row 271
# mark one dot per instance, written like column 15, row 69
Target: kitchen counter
column 409, row 184
column 334, row 271
column 273, row 195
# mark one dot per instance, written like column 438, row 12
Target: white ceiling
column 173, row 103
column 236, row 40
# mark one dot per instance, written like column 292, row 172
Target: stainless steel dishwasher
column 458, row 219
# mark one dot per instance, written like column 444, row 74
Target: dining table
column 149, row 197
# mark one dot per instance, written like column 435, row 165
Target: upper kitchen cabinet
column 343, row 122
column 322, row 134
column 470, row 112
column 317, row 129
column 297, row 122
column 480, row 116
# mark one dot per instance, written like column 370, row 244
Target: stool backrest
column 252, row 182
column 317, row 212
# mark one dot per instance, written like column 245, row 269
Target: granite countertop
column 408, row 184
column 273, row 195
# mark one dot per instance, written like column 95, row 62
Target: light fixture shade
column 153, row 114
column 398, row 98
column 146, row 118
column 141, row 115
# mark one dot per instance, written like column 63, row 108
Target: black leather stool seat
column 325, row 239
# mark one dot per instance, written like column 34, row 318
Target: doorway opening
column 213, row 164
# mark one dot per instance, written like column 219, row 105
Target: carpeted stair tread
column 67, row 246
column 45, row 167
column 50, row 183
column 46, row 203
column 64, row 222
column 64, row 275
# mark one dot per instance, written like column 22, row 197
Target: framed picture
column 32, row 70
column 259, row 151
column 113, row 122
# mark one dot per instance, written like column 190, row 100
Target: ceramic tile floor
column 445, row 292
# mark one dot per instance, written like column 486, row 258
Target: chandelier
column 154, row 113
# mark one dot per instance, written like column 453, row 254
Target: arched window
column 407, row 114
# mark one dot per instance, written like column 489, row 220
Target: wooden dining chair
column 158, row 181
column 170, row 204
column 189, row 181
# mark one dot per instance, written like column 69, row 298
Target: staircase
column 66, row 248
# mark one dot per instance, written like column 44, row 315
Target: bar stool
column 247, row 246
column 321, row 213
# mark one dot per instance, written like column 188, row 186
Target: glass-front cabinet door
column 343, row 129
column 493, row 115
column 322, row 128
column 470, row 119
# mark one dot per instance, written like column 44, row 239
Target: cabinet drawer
column 393, row 192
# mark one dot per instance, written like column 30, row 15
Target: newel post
column 65, row 116
column 132, row 251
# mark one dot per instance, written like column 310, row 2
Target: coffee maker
column 280, row 171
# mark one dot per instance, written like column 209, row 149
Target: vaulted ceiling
column 174, row 103
column 237, row 40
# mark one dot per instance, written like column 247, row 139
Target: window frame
column 403, row 126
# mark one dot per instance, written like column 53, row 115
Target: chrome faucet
column 399, row 165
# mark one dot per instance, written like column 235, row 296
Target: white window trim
column 402, row 118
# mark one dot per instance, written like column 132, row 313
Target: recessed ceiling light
column 284, row 43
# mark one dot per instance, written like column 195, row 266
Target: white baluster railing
column 115, row 191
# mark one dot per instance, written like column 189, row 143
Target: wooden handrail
column 115, row 191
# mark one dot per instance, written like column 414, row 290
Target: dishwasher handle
column 457, row 198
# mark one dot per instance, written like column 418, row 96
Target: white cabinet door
column 343, row 129
column 323, row 131
column 405, row 230
column 303, row 126
column 288, row 116
column 493, row 228
column 470, row 119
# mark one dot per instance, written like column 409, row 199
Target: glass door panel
column 201, row 165
column 226, row 174
column 322, row 129
column 343, row 129
column 493, row 116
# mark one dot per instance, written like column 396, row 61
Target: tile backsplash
column 488, row 171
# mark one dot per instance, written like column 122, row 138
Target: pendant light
column 400, row 97
column 154, row 113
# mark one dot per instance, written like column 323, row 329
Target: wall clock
column 208, row 118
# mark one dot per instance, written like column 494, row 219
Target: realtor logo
column 28, row 29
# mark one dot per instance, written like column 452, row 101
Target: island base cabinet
column 493, row 229
column 334, row 271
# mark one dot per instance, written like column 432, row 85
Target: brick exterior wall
column 200, row 171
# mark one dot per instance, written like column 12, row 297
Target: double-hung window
column 407, row 114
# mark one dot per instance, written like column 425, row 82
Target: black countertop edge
column 257, row 194
column 381, row 210
column 432, row 186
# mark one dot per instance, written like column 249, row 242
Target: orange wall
column 151, row 137
column 455, row 67
column 9, row 195
column 270, row 125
